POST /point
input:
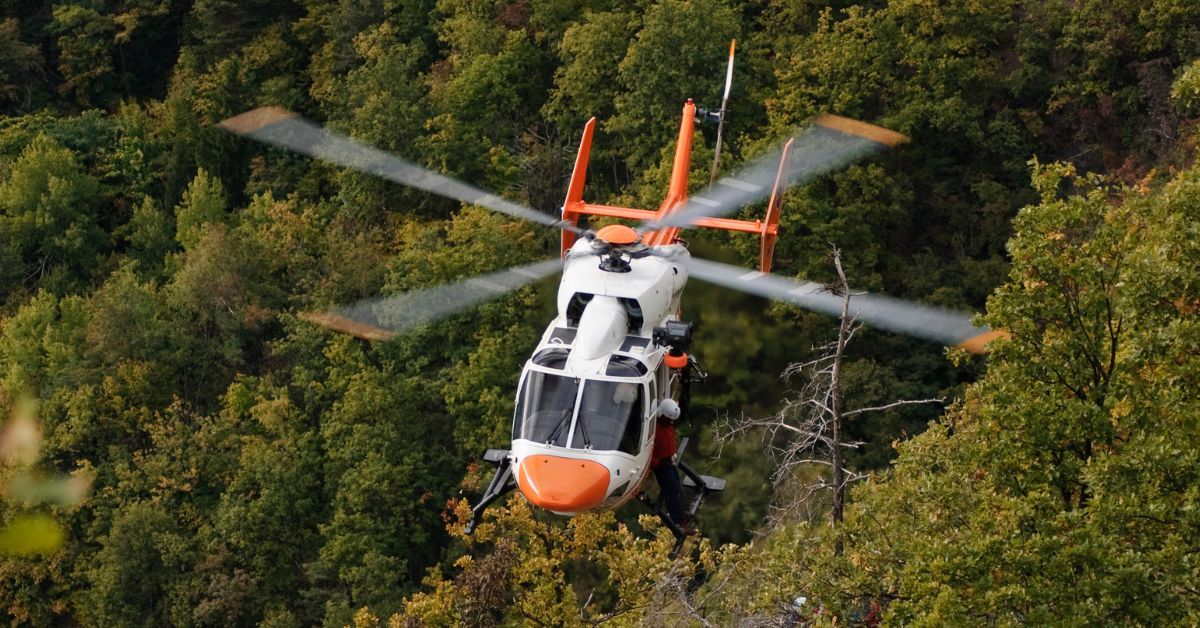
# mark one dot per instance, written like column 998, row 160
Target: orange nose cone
column 562, row 484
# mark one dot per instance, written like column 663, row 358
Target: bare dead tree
column 674, row 604
column 805, row 438
column 834, row 394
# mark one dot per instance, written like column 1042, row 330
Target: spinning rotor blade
column 285, row 129
column 831, row 142
column 383, row 318
column 927, row 322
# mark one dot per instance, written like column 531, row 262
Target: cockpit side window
column 633, row 428
column 651, row 398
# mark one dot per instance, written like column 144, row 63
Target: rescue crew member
column 662, row 464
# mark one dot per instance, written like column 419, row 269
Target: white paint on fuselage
column 655, row 283
column 602, row 327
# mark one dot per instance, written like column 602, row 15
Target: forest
column 181, row 448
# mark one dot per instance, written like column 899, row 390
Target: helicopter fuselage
column 585, row 413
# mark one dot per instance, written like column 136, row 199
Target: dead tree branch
column 806, row 437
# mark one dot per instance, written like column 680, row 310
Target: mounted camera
column 674, row 334
column 677, row 336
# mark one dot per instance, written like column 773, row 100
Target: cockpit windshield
column 545, row 407
column 609, row 416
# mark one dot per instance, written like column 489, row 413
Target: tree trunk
column 835, row 405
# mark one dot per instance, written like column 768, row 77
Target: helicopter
column 590, row 393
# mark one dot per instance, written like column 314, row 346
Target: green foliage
column 221, row 27
column 1063, row 462
column 203, row 204
column 591, row 52
column 677, row 42
column 48, row 221
column 149, row 232
column 138, row 560
column 85, row 38
column 525, row 569
column 1186, row 89
column 251, row 468
column 223, row 297
column 127, row 322
column 482, row 97
column 19, row 64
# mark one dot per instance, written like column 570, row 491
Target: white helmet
column 669, row 408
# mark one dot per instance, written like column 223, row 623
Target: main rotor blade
column 285, row 129
column 927, row 322
column 831, row 142
column 383, row 318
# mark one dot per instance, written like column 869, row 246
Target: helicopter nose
column 562, row 484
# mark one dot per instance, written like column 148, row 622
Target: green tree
column 265, row 525
column 526, row 569
column 223, row 297
column 585, row 82
column 48, row 219
column 140, row 557
column 384, row 468
column 20, row 65
column 203, row 203
column 150, row 234
column 1064, row 462
column 127, row 321
column 676, row 43
column 493, row 80
column 382, row 99
column 220, row 27
column 85, row 43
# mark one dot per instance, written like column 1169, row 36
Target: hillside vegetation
column 248, row 468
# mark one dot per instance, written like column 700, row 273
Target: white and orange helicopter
column 590, row 393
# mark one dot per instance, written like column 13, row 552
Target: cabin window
column 634, row 341
column 552, row 358
column 563, row 335
column 610, row 416
column 625, row 366
column 544, row 408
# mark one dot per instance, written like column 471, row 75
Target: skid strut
column 502, row 482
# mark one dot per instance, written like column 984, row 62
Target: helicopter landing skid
column 502, row 482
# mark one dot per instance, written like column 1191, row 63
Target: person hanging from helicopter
column 661, row 462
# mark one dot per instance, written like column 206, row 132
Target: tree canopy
column 247, row 467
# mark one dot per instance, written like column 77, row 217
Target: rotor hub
column 618, row 235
